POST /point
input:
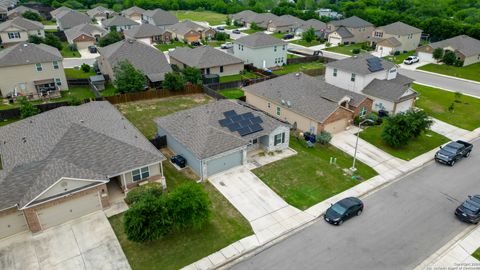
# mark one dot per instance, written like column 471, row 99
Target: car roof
column 475, row 198
column 350, row 201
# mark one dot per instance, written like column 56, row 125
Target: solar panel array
column 374, row 64
column 244, row 124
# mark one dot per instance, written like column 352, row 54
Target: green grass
column 238, row 77
column 346, row 49
column 298, row 67
column 470, row 72
column 289, row 55
column 398, row 59
column 251, row 31
column 308, row 178
column 109, row 90
column 217, row 43
column 67, row 53
column 415, row 147
column 5, row 122
column 51, row 30
column 232, row 93
column 179, row 249
column 45, row 22
column 476, row 254
column 174, row 44
column 435, row 102
column 278, row 35
column 213, row 18
column 302, row 42
column 72, row 73
column 142, row 113
column 231, row 27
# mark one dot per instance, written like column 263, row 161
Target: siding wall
column 343, row 78
column 257, row 56
column 227, row 70
column 23, row 35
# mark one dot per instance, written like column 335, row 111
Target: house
column 261, row 50
column 466, row 49
column 241, row 17
column 395, row 37
column 3, row 13
column 59, row 10
column 189, row 31
column 32, row 70
column 133, row 13
column 148, row 59
column 375, row 78
column 209, row 60
column 308, row 103
column 70, row 18
column 284, row 23
column 91, row 149
column 84, row 35
column 159, row 17
column 218, row 136
column 18, row 30
column 326, row 12
column 100, row 13
column 349, row 30
column 119, row 23
column 18, row 12
column 247, row 17
column 318, row 26
column 147, row 33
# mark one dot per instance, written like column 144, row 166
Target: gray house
column 261, row 50
column 159, row 17
column 217, row 136
column 70, row 18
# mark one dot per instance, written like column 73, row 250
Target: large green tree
column 110, row 38
column 309, row 35
column 128, row 78
column 34, row 16
column 174, row 81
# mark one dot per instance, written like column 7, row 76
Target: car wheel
column 452, row 163
column 359, row 212
column 340, row 222
column 467, row 154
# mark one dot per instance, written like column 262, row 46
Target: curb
column 447, row 76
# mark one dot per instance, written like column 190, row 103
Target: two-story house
column 18, row 30
column 3, row 13
column 67, row 19
column 31, row 70
column 133, row 13
column 119, row 23
column 375, row 78
column 19, row 11
column 261, row 50
column 349, row 30
column 395, row 37
column 100, row 13
column 159, row 17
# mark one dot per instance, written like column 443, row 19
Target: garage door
column 12, row 224
column 336, row 126
column 426, row 57
column 224, row 163
column 334, row 40
column 84, row 45
column 68, row 210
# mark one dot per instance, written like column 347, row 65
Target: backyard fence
column 153, row 94
column 213, row 93
column 159, row 142
column 78, row 81
column 15, row 112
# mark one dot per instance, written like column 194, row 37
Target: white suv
column 411, row 59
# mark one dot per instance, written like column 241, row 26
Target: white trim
column 15, row 205
column 110, row 176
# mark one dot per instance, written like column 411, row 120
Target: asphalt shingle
column 392, row 90
column 352, row 22
column 204, row 57
column 143, row 31
column 358, row 64
column 21, row 23
column 259, row 40
column 399, row 28
column 28, row 54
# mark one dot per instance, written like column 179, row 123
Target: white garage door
column 68, row 210
column 334, row 41
column 336, row 126
column 84, row 44
column 12, row 224
column 426, row 57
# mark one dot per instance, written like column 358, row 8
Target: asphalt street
column 401, row 226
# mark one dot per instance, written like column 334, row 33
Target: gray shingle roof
column 399, row 28
column 244, row 14
column 181, row 28
column 21, row 10
column 99, row 10
column 21, row 23
column 118, row 21
column 134, row 9
column 352, row 22
column 391, row 41
column 151, row 61
column 161, row 17
column 143, row 31
column 468, row 46
column 199, row 131
column 315, row 24
column 83, row 29
column 61, row 9
column 358, row 64
column 392, row 90
column 343, row 32
column 204, row 57
column 287, row 20
column 259, row 40
column 309, row 96
column 91, row 141
column 69, row 19
column 28, row 54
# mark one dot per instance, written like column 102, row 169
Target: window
column 284, row 46
column 393, row 70
column 268, row 104
column 55, row 64
column 279, row 138
column 363, row 111
column 334, row 72
column 39, row 33
column 274, row 48
column 13, row 35
column 378, row 34
column 208, row 70
column 353, row 77
column 278, row 111
column 58, row 81
column 140, row 174
column 39, row 67
column 221, row 69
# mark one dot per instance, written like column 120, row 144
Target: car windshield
column 409, row 58
column 339, row 208
column 470, row 206
column 450, row 149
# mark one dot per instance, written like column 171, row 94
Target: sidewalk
column 447, row 130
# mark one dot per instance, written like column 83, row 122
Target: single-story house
column 285, row 23
column 134, row 13
column 190, row 32
column 395, row 37
column 91, row 149
column 84, row 35
column 247, row 17
column 318, row 26
column 349, row 30
column 18, row 29
column 467, row 49
column 100, row 13
column 218, row 136
column 147, row 33
column 159, row 17
column 149, row 60
column 18, row 12
column 261, row 50
column 120, row 23
column 209, row 60
column 70, row 18
column 308, row 103
column 59, row 10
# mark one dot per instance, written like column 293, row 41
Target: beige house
column 466, row 49
column 134, row 13
column 84, row 35
column 3, row 13
column 395, row 37
column 147, row 33
column 285, row 23
column 349, row 30
column 18, row 30
column 189, row 31
column 31, row 70
column 100, row 13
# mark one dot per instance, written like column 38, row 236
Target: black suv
column 343, row 210
column 469, row 211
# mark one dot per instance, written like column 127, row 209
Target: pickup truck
column 452, row 152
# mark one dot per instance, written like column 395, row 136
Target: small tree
column 396, row 132
column 128, row 78
column 228, row 21
column 34, row 16
column 449, row 58
column 35, row 39
column 192, row 75
column 85, row 68
column 438, row 54
column 174, row 81
column 54, row 41
column 418, row 122
column 221, row 36
column 309, row 35
column 189, row 206
column 109, row 38
column 26, row 108
column 254, row 26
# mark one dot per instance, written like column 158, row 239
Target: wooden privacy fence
column 213, row 93
column 306, row 59
column 78, row 81
column 153, row 94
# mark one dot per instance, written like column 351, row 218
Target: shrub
column 418, row 122
column 365, row 46
column 328, row 44
column 451, row 108
column 150, row 189
column 449, row 58
column 402, row 127
column 35, row 39
column 26, row 108
column 356, row 51
column 458, row 63
column 72, row 47
column 324, row 137
column 221, row 36
column 396, row 53
column 356, row 120
column 85, row 68
column 437, row 54
column 309, row 35
column 188, row 206
column 174, row 81
column 458, row 96
column 54, row 41
column 128, row 78
column 31, row 15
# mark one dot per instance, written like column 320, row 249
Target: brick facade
column 367, row 103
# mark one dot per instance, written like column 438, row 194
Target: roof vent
column 81, row 121
column 289, row 104
column 25, row 45
column 130, row 41
column 283, row 102
column 24, row 139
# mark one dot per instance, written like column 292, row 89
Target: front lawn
column 217, row 43
column 238, row 77
column 213, row 18
column 232, row 93
column 302, row 42
column 470, row 72
column 251, row 31
column 45, row 22
column 67, row 53
column 415, row 147
column 166, row 46
column 142, row 113
column 298, row 67
column 398, row 59
column 346, row 49
column 308, row 178
column 466, row 113
column 289, row 55
column 72, row 73
column 5, row 122
column 476, row 254
column 179, row 249
column 278, row 35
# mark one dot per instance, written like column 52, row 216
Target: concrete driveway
column 84, row 243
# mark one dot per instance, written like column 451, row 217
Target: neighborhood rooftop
column 466, row 45
column 399, row 28
column 83, row 29
column 118, row 21
column 352, row 22
column 22, row 23
column 143, row 31
column 259, row 39
column 203, row 57
column 133, row 10
column 395, row 90
column 161, row 17
column 28, row 53
column 182, row 28
column 360, row 64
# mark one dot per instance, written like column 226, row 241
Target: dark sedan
column 469, row 211
column 343, row 210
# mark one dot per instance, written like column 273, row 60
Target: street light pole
column 353, row 169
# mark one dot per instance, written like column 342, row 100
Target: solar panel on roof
column 225, row 122
column 256, row 128
column 248, row 115
column 244, row 131
column 230, row 114
column 245, row 123
column 236, row 118
column 234, row 126
column 256, row 120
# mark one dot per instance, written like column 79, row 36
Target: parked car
column 196, row 43
column 226, row 45
column 411, row 60
column 236, row 31
column 288, row 36
column 469, row 210
column 343, row 210
column 220, row 28
column 92, row 49
column 452, row 152
column 179, row 160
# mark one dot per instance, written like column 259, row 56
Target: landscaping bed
column 307, row 178
column 232, row 93
column 470, row 72
column 435, row 102
column 213, row 18
column 346, row 49
column 298, row 67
